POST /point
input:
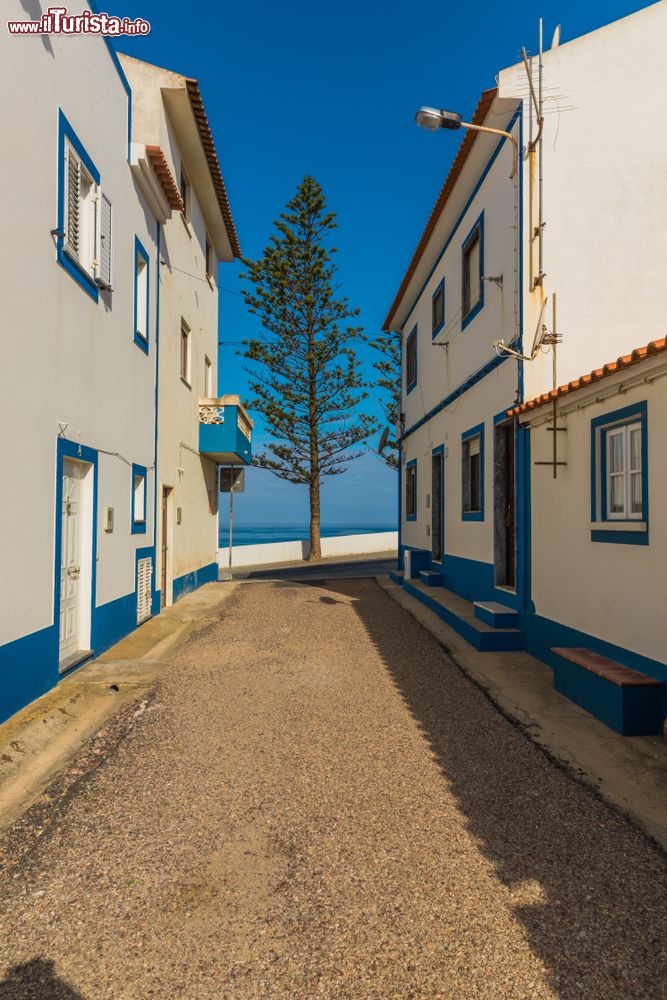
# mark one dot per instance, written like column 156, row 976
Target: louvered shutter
column 144, row 574
column 73, row 203
column 473, row 446
column 106, row 243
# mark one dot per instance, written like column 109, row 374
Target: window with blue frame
column 138, row 499
column 411, row 361
column 438, row 309
column 140, row 296
column 411, row 490
column 472, row 474
column 83, row 233
column 472, row 267
column 619, row 476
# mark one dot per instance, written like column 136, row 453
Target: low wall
column 341, row 545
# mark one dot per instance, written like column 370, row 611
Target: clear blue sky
column 331, row 90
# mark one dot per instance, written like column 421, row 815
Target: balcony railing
column 225, row 430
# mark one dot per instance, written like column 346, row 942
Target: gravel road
column 316, row 802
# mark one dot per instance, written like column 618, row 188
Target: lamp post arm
column 498, row 131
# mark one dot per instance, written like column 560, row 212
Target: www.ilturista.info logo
column 57, row 21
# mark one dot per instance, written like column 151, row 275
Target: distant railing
column 212, row 414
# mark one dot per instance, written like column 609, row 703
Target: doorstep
column 630, row 772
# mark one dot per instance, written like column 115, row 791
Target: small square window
column 619, row 486
column 184, row 188
column 624, row 472
column 185, row 352
column 472, row 474
column 438, row 309
column 140, row 296
column 411, row 360
column 411, row 491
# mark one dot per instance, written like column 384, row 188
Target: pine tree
column 308, row 384
column 388, row 344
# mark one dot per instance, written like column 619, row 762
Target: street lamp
column 433, row 119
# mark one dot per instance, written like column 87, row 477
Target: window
column 138, row 499
column 473, row 269
column 411, row 361
column 620, row 486
column 472, row 474
column 411, row 491
column 184, row 188
column 208, row 378
column 209, row 259
column 185, row 352
column 84, row 215
column 140, row 296
column 438, row 309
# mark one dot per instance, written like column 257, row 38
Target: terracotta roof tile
column 165, row 177
column 626, row 361
column 481, row 111
column 213, row 162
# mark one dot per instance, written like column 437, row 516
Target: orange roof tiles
column 213, row 162
column 165, row 177
column 481, row 111
column 626, row 361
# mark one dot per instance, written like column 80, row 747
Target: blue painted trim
column 524, row 563
column 412, row 464
column 28, row 669
column 139, row 527
column 599, row 427
column 411, row 339
column 197, row 578
column 474, row 515
column 139, row 251
column 400, row 503
column 452, row 233
column 157, row 382
column 440, row 450
column 478, row 227
column 435, row 330
column 73, row 268
column 70, row 449
column 123, row 79
column 483, row 640
column 472, row 380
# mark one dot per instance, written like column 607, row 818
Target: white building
column 90, row 214
column 486, row 270
column 175, row 162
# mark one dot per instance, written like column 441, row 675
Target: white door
column 70, row 561
column 144, row 576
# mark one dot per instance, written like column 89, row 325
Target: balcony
column 225, row 431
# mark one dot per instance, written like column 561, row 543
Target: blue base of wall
column 191, row 581
column 28, row 669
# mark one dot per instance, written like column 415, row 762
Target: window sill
column 139, row 528
column 611, row 525
column 620, row 532
column 77, row 271
column 209, row 278
column 472, row 515
column 186, row 383
column 141, row 341
column 188, row 228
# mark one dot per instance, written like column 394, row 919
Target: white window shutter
column 144, row 574
column 105, row 253
column 72, row 212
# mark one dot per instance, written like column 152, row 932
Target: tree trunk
column 315, row 552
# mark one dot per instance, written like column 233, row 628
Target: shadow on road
column 36, row 980
column 588, row 889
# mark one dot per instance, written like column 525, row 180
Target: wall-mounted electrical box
column 108, row 520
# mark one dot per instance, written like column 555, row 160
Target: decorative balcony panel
column 225, row 431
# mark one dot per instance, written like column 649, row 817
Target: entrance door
column 70, row 561
column 505, row 506
column 437, row 505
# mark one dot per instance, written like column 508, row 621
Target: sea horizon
column 259, row 533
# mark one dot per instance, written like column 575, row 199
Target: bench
column 624, row 699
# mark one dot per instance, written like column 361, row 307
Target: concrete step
column 397, row 576
column 430, row 577
column 460, row 615
column 495, row 614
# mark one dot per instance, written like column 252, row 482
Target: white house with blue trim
column 571, row 219
column 96, row 231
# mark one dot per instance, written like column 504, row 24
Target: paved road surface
column 317, row 803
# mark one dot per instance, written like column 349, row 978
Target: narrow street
column 316, row 802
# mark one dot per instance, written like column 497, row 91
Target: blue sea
column 261, row 534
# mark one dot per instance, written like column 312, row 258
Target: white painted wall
column 613, row 591
column 65, row 357
column 277, row 552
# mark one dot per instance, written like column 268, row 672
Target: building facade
column 527, row 253
column 90, row 238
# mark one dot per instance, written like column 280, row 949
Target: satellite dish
column 555, row 41
column 540, row 332
column 384, row 437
